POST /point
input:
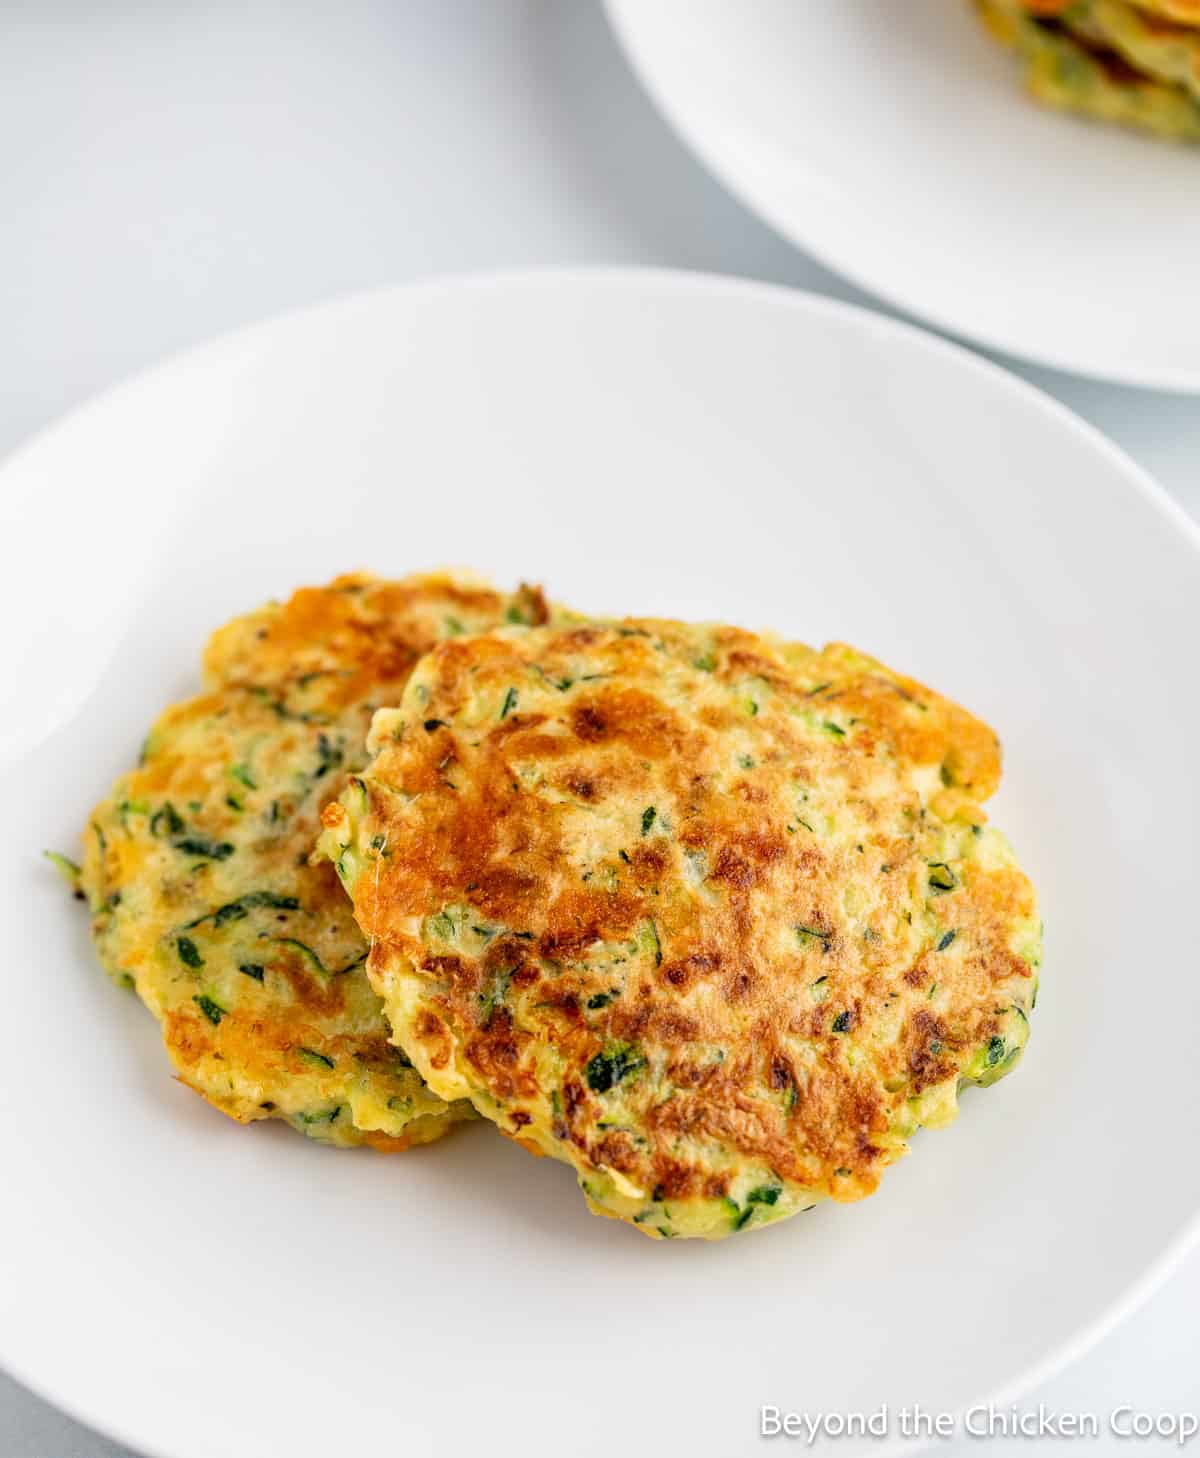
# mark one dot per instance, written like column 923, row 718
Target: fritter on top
column 715, row 920
column 196, row 865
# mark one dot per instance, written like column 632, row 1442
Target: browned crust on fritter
column 538, row 819
column 363, row 633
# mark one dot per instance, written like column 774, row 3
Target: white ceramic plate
column 648, row 442
column 891, row 138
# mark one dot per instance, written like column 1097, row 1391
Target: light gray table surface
column 175, row 169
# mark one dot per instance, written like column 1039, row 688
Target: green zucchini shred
column 169, row 818
column 330, row 755
column 188, row 953
column 608, row 1068
column 941, row 878
column 198, row 845
column 211, row 1009
column 327, row 1116
column 305, row 951
column 655, row 943
column 65, row 867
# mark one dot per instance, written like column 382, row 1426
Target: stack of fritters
column 713, row 918
column 1136, row 62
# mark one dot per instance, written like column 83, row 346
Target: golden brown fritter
column 1161, row 50
column 196, row 865
column 1181, row 12
column 1072, row 64
column 713, row 919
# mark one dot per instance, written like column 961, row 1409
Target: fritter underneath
column 1070, row 66
column 196, row 866
column 713, row 919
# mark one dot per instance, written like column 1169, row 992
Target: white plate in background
column 893, row 140
column 638, row 442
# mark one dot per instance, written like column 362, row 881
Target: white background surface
column 171, row 171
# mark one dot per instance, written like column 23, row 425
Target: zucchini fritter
column 196, row 865
column 1071, row 65
column 714, row 919
column 1182, row 12
column 1163, row 50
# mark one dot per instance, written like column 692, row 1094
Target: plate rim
column 802, row 303
column 720, row 161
